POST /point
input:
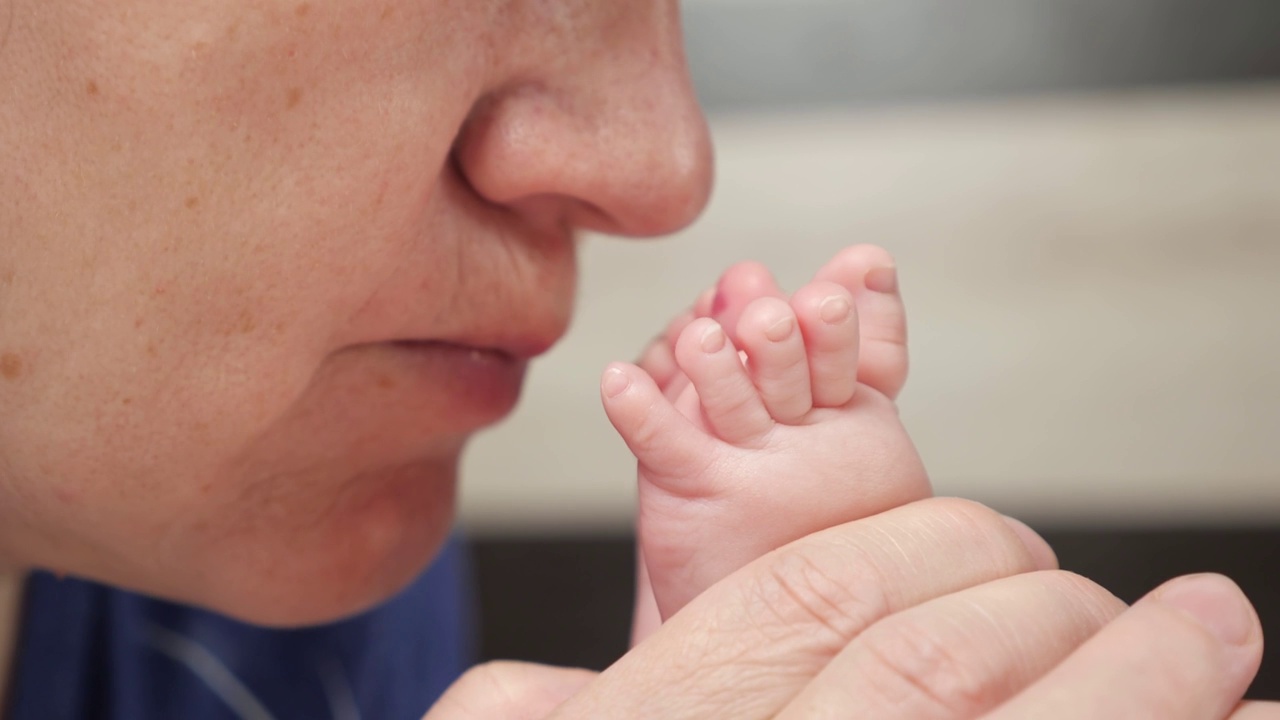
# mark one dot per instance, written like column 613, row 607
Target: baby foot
column 867, row 271
column 751, row 456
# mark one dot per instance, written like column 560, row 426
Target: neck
column 11, row 583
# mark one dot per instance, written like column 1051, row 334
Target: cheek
column 202, row 245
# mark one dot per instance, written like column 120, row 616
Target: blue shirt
column 90, row 652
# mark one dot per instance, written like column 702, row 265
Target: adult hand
column 509, row 691
column 939, row 609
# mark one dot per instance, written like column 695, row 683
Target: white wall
column 1094, row 287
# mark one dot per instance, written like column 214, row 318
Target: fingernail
column 835, row 309
column 712, row 339
column 882, row 280
column 1215, row 602
column 780, row 330
column 615, row 382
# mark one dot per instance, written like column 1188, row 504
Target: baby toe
column 870, row 274
column 777, row 362
column 829, row 321
column 729, row 400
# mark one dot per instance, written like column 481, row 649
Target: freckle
column 279, row 328
column 385, row 382
column 386, row 13
column 127, row 401
column 10, row 366
column 91, row 88
column 302, row 9
column 151, row 350
column 294, row 97
column 6, row 278
column 192, row 202
column 247, row 323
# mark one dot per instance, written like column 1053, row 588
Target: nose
column 592, row 121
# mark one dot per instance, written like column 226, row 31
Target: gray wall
column 755, row 54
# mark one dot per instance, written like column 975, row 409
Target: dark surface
column 762, row 54
column 568, row 601
column 563, row 602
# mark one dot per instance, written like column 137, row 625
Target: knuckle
column 497, row 682
column 986, row 529
column 913, row 667
column 799, row 591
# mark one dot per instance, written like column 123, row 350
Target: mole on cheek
column 91, row 88
column 10, row 366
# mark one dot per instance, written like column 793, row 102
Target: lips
column 494, row 346
column 474, row 385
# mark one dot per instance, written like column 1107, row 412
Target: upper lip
column 514, row 287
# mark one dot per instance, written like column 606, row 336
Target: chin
column 368, row 544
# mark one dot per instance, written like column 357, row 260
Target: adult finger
column 962, row 654
column 1257, row 711
column 1187, row 651
column 749, row 644
column 508, row 691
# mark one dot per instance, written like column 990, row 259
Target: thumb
column 508, row 691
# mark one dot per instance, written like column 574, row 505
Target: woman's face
column 266, row 264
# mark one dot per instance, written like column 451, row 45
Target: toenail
column 882, row 280
column 780, row 330
column 713, row 339
column 615, row 382
column 835, row 309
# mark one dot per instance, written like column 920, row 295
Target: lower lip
column 479, row 386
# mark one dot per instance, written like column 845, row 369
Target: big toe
column 870, row 274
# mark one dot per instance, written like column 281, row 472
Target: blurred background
column 1084, row 199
